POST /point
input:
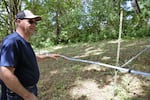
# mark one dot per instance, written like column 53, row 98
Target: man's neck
column 22, row 34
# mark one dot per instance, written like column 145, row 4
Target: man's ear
column 17, row 20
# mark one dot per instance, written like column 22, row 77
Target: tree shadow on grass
column 59, row 77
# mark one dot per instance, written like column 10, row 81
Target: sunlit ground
column 68, row 80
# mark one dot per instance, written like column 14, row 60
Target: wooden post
column 118, row 52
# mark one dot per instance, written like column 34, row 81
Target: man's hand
column 53, row 56
column 30, row 96
column 46, row 56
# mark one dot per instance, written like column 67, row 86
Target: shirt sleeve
column 7, row 54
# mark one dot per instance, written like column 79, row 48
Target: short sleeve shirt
column 17, row 52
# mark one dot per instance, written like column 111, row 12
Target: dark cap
column 27, row 14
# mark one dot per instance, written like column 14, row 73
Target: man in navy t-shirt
column 19, row 70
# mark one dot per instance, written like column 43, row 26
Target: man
column 18, row 63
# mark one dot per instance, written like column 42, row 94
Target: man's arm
column 45, row 56
column 12, row 82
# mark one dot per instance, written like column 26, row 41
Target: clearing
column 68, row 80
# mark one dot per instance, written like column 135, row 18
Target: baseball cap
column 27, row 14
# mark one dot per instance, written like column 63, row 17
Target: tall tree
column 12, row 7
column 136, row 6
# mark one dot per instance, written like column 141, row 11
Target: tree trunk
column 12, row 8
column 57, row 29
column 136, row 6
column 57, row 22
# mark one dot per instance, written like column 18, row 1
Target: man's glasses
column 32, row 22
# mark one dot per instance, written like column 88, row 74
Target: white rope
column 121, row 69
column 130, row 60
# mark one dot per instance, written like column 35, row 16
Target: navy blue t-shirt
column 17, row 52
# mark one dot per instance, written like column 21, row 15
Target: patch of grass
column 59, row 77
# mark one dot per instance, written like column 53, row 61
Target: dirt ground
column 69, row 80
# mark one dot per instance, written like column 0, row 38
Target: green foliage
column 73, row 21
column 3, row 21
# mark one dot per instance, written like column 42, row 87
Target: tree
column 136, row 6
column 8, row 11
column 65, row 21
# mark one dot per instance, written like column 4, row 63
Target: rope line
column 121, row 69
column 145, row 49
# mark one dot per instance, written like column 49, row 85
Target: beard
column 29, row 31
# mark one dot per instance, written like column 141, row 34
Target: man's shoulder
column 10, row 39
column 11, row 36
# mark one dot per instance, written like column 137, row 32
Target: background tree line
column 73, row 21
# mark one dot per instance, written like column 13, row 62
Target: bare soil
column 68, row 80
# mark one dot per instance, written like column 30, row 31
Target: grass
column 68, row 80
